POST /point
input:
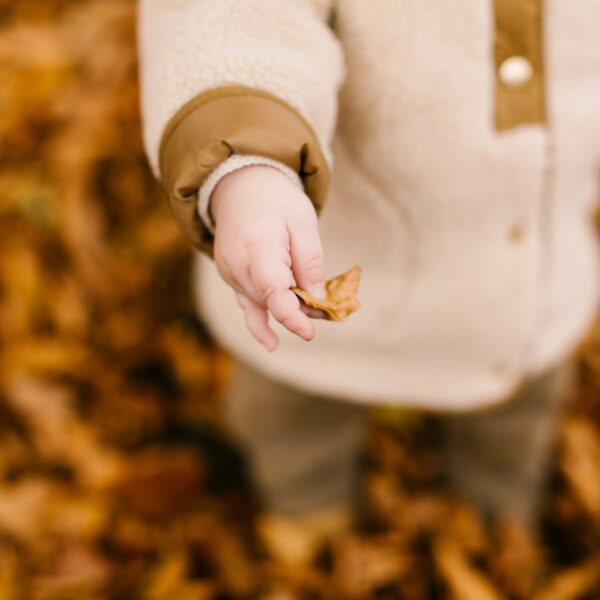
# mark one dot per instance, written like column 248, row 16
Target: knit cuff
column 233, row 163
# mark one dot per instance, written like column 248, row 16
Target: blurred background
column 117, row 478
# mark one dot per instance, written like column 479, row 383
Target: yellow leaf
column 340, row 300
column 573, row 583
column 463, row 580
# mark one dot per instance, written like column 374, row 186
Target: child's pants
column 304, row 449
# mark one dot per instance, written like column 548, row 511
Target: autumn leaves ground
column 116, row 477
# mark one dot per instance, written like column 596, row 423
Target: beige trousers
column 304, row 449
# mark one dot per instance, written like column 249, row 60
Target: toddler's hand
column 267, row 238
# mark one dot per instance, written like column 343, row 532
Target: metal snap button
column 515, row 72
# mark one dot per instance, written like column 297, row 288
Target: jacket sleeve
column 224, row 77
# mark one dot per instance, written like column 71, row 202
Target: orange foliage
column 116, row 478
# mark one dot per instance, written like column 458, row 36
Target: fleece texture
column 190, row 46
column 478, row 246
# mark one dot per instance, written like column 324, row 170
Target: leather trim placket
column 519, row 33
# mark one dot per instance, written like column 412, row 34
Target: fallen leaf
column 160, row 484
column 171, row 580
column 463, row 580
column 581, row 462
column 364, row 565
column 572, row 584
column 24, row 507
column 340, row 296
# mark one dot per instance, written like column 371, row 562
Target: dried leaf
column 24, row 508
column 340, row 299
column 160, row 484
column 581, row 462
column 9, row 576
column 287, row 541
column 170, row 580
column 78, row 572
column 572, row 584
column 464, row 581
column 364, row 565
column 517, row 564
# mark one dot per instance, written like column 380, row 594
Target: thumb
column 308, row 265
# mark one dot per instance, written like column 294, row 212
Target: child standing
column 454, row 150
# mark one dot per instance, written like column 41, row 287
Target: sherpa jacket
column 454, row 149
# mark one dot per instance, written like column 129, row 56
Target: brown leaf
column 340, row 299
column 581, row 462
column 573, row 583
column 24, row 507
column 78, row 572
column 364, row 565
column 516, row 562
column 464, row 581
column 160, row 484
column 57, row 432
column 170, row 580
column 9, row 576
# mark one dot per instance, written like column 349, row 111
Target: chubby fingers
column 257, row 322
column 284, row 305
column 306, row 252
column 308, row 265
column 272, row 278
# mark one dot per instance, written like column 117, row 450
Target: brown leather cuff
column 234, row 120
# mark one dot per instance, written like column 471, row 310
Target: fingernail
column 307, row 334
column 318, row 291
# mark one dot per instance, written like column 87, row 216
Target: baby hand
column 267, row 239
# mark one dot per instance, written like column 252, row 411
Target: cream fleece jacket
column 478, row 246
